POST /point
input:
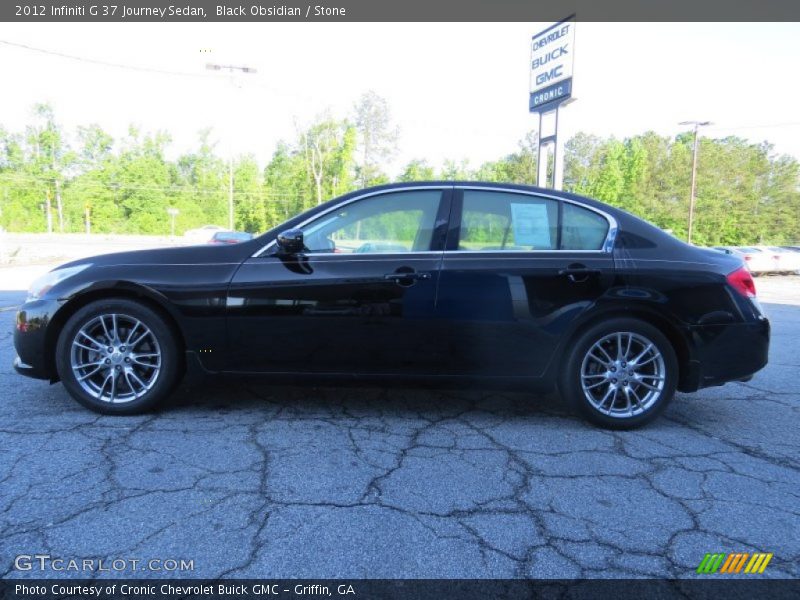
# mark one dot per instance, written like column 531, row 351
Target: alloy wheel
column 623, row 374
column 115, row 358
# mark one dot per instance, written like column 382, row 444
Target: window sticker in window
column 531, row 226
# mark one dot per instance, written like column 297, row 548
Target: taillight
column 742, row 282
column 748, row 258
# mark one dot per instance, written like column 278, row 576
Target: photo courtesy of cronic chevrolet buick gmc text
column 453, row 282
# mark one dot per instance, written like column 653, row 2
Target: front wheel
column 117, row 357
column 620, row 374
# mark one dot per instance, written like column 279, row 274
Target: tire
column 595, row 382
column 118, row 357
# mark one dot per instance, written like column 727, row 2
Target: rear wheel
column 117, row 357
column 620, row 374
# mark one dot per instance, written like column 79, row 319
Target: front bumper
column 31, row 339
column 26, row 369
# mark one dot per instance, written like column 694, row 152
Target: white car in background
column 788, row 259
column 795, row 250
column 202, row 235
column 758, row 259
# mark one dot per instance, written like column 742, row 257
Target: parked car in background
column 369, row 247
column 203, row 234
column 230, row 237
column 453, row 282
column 730, row 250
column 758, row 260
column 788, row 261
column 793, row 250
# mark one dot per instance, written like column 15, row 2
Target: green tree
column 455, row 171
column 377, row 138
column 745, row 192
column 328, row 147
column 417, row 170
column 250, row 210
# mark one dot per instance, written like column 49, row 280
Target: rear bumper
column 723, row 353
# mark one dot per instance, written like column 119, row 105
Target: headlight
column 44, row 283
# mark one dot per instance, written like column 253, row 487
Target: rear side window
column 507, row 222
column 582, row 229
column 502, row 221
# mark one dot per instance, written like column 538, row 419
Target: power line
column 77, row 184
column 426, row 124
column 105, row 63
column 201, row 75
column 765, row 126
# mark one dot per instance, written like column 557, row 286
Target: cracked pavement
column 250, row 479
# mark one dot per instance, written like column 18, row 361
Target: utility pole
column 172, row 212
column 87, row 218
column 230, row 190
column 59, row 206
column 48, row 211
column 232, row 70
column 696, row 125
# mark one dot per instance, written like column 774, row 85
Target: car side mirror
column 290, row 242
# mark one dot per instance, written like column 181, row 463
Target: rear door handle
column 577, row 272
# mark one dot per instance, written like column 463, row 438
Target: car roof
column 483, row 184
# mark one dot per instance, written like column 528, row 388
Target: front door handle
column 577, row 272
column 406, row 277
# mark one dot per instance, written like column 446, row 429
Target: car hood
column 182, row 255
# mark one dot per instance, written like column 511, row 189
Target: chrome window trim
column 517, row 253
column 607, row 247
column 350, row 201
column 356, row 255
column 377, row 256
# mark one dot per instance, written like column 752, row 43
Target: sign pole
column 541, row 156
column 551, row 63
column 558, row 157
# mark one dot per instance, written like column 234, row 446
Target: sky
column 456, row 90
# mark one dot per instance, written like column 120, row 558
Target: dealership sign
column 552, row 57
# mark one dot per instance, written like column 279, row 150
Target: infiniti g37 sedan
column 461, row 283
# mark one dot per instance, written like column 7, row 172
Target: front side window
column 503, row 221
column 389, row 223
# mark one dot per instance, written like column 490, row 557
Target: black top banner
column 400, row 10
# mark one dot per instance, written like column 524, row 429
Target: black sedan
column 457, row 283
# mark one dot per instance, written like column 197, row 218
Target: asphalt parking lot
column 248, row 479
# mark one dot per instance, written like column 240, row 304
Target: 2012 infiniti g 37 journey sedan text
column 458, row 282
